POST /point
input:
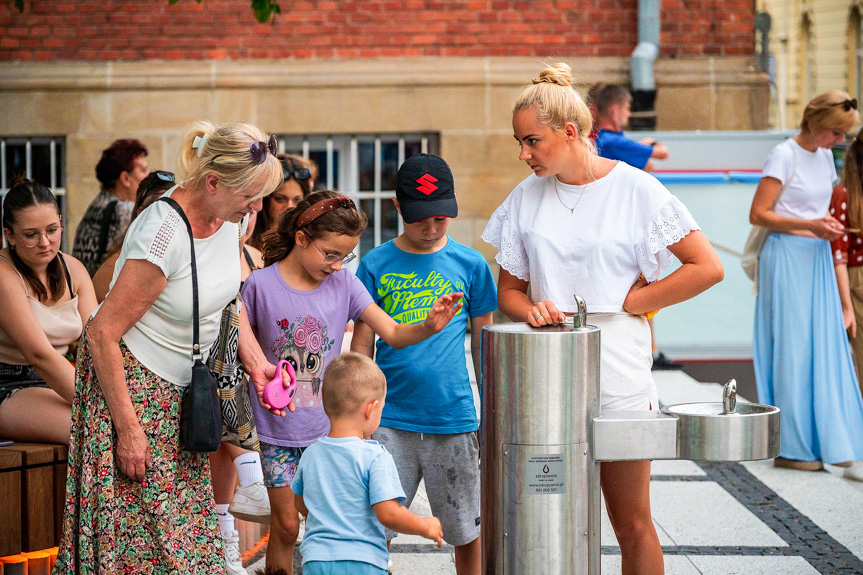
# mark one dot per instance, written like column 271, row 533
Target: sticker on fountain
column 544, row 474
column 303, row 343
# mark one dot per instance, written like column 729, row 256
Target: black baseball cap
column 425, row 189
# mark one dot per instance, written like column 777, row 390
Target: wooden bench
column 32, row 496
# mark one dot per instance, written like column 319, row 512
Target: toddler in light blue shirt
column 347, row 486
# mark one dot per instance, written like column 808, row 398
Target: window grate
column 42, row 158
column 364, row 167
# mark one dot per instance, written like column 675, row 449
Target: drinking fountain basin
column 721, row 431
column 709, row 432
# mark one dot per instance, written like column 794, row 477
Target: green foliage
column 264, row 9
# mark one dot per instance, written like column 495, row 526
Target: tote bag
column 758, row 235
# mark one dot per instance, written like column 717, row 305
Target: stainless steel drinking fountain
column 543, row 439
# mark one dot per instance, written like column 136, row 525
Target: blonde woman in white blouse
column 586, row 225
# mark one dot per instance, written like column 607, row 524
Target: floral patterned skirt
column 164, row 524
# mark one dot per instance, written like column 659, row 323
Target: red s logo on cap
column 426, row 184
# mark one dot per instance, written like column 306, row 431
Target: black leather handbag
column 200, row 413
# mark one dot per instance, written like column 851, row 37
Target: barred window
column 42, row 158
column 364, row 167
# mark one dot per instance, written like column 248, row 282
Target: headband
column 199, row 143
column 317, row 210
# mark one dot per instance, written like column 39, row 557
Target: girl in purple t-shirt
column 299, row 306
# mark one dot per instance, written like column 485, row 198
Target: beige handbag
column 758, row 235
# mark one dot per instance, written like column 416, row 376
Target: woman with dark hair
column 120, row 170
column 47, row 296
column 298, row 173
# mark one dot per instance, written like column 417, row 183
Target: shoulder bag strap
column 196, row 348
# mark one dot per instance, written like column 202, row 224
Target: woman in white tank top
column 590, row 226
column 47, row 296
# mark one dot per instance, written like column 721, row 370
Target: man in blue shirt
column 613, row 110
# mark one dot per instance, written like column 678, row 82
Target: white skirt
column 625, row 380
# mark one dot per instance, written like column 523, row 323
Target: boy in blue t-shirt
column 429, row 421
column 346, row 485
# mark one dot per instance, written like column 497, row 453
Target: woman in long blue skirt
column 802, row 357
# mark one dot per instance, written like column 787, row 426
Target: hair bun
column 559, row 74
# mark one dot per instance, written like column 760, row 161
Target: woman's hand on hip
column 629, row 303
column 545, row 313
column 134, row 456
column 826, row 228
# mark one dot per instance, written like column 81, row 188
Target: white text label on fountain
column 544, row 474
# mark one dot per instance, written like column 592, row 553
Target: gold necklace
column 583, row 186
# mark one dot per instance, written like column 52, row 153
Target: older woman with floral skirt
column 137, row 502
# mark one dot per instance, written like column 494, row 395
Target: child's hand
column 263, row 374
column 443, row 311
column 433, row 530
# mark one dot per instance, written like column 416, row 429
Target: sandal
column 798, row 465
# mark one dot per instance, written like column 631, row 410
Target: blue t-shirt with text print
column 428, row 387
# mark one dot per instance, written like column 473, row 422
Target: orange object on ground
column 52, row 555
column 38, row 562
column 14, row 565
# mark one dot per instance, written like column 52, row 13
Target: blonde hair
column 351, row 380
column 556, row 102
column 851, row 177
column 224, row 150
column 827, row 111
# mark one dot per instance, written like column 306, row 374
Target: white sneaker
column 855, row 471
column 390, row 567
column 233, row 561
column 251, row 504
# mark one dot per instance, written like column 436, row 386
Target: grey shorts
column 449, row 463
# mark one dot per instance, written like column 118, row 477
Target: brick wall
column 106, row 30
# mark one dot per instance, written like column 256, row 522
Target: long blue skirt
column 802, row 357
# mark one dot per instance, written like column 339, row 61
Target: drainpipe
column 642, row 59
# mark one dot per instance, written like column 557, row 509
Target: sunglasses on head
column 159, row 176
column 299, row 174
column 259, row 150
column 848, row 104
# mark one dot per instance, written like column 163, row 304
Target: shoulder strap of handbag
column 791, row 177
column 107, row 217
column 196, row 348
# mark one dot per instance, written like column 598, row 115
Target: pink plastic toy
column 276, row 394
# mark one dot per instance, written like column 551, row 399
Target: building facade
column 815, row 45
column 357, row 85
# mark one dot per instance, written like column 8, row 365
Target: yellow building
column 815, row 45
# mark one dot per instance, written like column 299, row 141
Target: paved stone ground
column 717, row 518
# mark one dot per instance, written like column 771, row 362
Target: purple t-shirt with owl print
column 306, row 328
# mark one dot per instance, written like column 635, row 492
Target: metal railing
column 42, row 158
column 364, row 167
